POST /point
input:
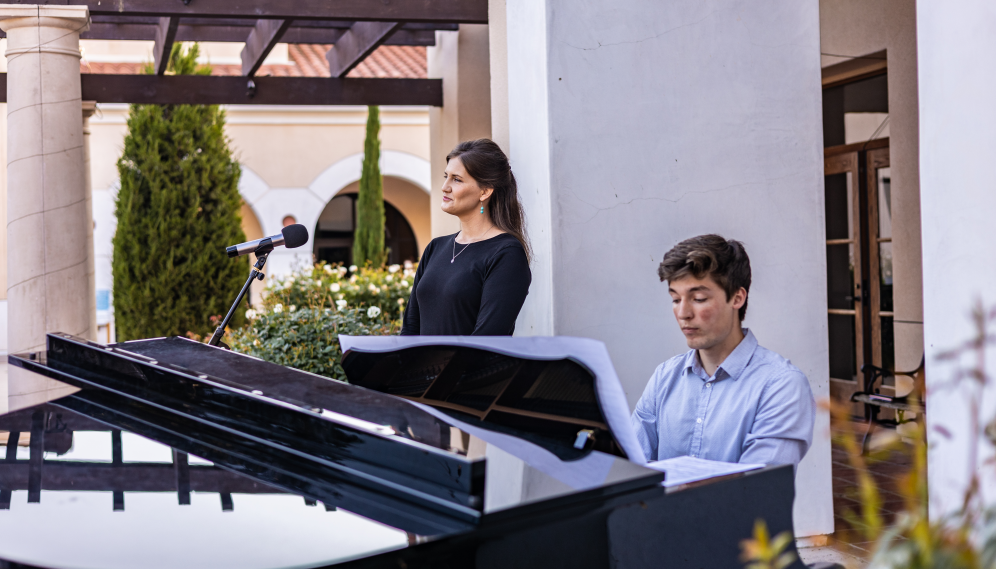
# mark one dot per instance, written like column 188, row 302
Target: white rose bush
column 301, row 316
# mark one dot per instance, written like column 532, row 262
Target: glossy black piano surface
column 177, row 454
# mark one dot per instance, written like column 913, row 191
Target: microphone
column 291, row 237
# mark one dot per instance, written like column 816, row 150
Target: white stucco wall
column 649, row 122
column 958, row 200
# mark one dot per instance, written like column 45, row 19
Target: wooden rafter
column 356, row 44
column 165, row 36
column 261, row 40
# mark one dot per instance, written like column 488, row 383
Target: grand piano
column 439, row 452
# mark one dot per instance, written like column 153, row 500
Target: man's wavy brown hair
column 725, row 261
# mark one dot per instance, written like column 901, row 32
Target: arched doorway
column 334, row 234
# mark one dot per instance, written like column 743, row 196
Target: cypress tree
column 177, row 209
column 368, row 239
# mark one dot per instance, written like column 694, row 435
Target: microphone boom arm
column 261, row 253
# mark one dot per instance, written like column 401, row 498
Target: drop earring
column 482, row 209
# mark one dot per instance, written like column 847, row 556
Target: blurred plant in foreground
column 762, row 552
column 964, row 540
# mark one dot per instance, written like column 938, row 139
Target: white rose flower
column 328, row 269
column 404, row 283
column 401, row 301
column 293, row 308
column 408, row 265
column 388, row 278
column 352, row 279
column 340, row 304
column 335, row 287
column 278, row 308
column 372, row 288
column 341, row 270
column 250, row 314
column 373, row 312
column 352, row 268
column 341, row 296
column 394, row 268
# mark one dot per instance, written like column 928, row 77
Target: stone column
column 89, row 107
column 462, row 60
column 47, row 220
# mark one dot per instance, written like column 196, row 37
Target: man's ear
column 739, row 298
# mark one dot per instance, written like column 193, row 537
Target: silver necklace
column 455, row 254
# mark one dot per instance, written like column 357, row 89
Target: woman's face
column 461, row 194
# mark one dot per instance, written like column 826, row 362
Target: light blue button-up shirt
column 756, row 408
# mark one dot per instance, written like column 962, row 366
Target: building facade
column 840, row 140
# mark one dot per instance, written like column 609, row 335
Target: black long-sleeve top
column 478, row 293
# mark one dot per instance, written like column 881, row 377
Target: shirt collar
column 734, row 364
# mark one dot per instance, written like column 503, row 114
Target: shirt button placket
column 700, row 421
column 703, row 412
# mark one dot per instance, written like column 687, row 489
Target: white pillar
column 461, row 60
column 89, row 107
column 958, row 205
column 634, row 124
column 47, row 282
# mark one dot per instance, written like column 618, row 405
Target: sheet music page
column 685, row 469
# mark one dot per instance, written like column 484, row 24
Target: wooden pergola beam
column 443, row 11
column 165, row 36
column 229, row 30
column 229, row 90
column 359, row 42
column 261, row 40
column 130, row 31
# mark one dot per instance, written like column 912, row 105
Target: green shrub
column 334, row 286
column 302, row 314
column 177, row 209
column 306, row 338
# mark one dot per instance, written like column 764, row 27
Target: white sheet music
column 588, row 352
column 685, row 469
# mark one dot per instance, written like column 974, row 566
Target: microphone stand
column 261, row 253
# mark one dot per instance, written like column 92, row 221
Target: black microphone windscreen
column 294, row 235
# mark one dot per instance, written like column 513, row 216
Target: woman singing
column 475, row 281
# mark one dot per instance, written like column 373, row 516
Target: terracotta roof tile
column 308, row 60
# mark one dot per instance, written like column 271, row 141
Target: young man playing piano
column 727, row 398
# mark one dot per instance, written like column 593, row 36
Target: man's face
column 703, row 312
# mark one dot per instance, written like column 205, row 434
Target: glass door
column 857, row 205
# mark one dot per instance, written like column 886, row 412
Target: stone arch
column 408, row 167
column 401, row 170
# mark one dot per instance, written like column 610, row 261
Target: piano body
column 438, row 453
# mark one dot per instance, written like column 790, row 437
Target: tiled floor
column 886, row 472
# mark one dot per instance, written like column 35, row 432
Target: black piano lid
column 382, row 490
column 543, row 389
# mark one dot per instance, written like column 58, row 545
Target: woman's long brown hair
column 486, row 163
